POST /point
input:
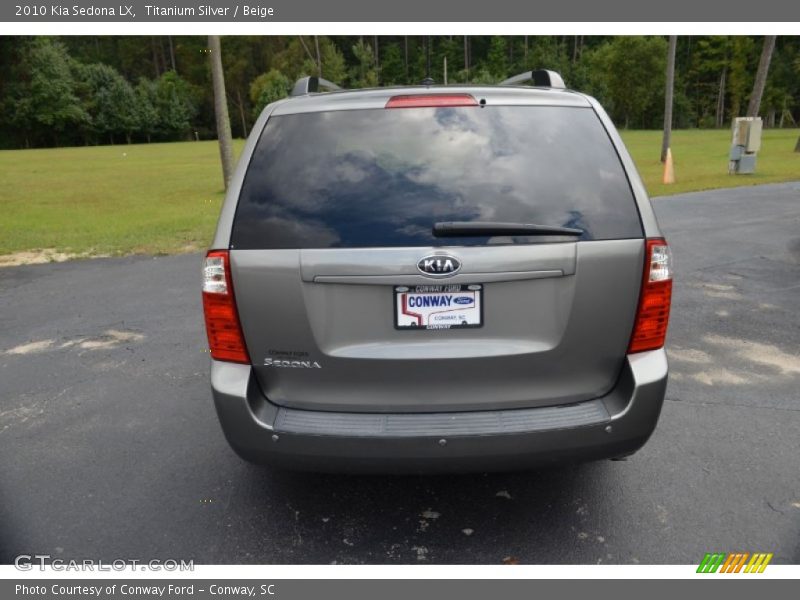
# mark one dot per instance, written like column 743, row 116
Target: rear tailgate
column 336, row 212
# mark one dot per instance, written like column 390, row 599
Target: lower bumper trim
column 615, row 425
column 441, row 424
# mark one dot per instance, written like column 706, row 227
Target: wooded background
column 87, row 90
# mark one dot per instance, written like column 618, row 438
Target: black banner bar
column 334, row 589
column 267, row 11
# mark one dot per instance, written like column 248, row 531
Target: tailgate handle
column 415, row 279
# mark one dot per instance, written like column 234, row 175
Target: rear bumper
column 615, row 425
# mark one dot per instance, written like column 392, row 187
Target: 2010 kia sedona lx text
column 436, row 278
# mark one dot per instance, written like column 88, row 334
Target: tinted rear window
column 367, row 178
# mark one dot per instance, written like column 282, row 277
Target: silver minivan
column 436, row 278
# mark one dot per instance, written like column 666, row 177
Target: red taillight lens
column 219, row 305
column 428, row 100
column 652, row 317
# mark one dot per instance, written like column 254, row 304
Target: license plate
column 438, row 306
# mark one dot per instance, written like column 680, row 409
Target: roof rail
column 309, row 85
column 539, row 77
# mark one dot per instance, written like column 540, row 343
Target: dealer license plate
column 438, row 306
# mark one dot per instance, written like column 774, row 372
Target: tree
column 709, row 68
column 109, row 101
column 761, row 76
column 297, row 59
column 668, row 97
column 627, row 75
column 239, row 71
column 334, row 67
column 466, row 57
column 44, row 99
column 221, row 109
column 392, row 67
column 174, row 105
column 44, row 102
column 267, row 88
column 497, row 59
column 449, row 48
column 364, row 73
column 145, row 110
column 739, row 72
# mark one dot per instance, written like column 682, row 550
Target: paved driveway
column 111, row 449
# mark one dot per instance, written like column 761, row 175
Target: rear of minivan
column 428, row 279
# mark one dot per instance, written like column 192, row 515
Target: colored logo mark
column 734, row 562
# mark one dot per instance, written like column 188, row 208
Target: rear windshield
column 370, row 178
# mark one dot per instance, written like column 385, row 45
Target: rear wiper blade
column 486, row 228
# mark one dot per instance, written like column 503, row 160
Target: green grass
column 165, row 198
column 140, row 198
column 701, row 159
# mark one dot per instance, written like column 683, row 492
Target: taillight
column 428, row 100
column 219, row 305
column 652, row 316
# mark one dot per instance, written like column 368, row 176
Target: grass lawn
column 701, row 159
column 124, row 199
column 165, row 198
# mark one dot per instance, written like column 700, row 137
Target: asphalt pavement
column 110, row 446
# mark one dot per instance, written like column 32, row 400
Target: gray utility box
column 745, row 144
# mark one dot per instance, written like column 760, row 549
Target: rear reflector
column 219, row 305
column 652, row 316
column 428, row 100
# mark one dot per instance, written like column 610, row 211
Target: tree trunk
column 308, row 53
column 667, row 137
column 221, row 109
column 761, row 76
column 427, row 57
column 241, row 111
column 172, row 54
column 405, row 42
column 155, row 56
column 720, row 117
column 361, row 67
column 466, row 57
column 319, row 56
column 163, row 54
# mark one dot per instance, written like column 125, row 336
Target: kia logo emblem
column 439, row 265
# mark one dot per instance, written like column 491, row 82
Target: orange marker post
column 669, row 171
